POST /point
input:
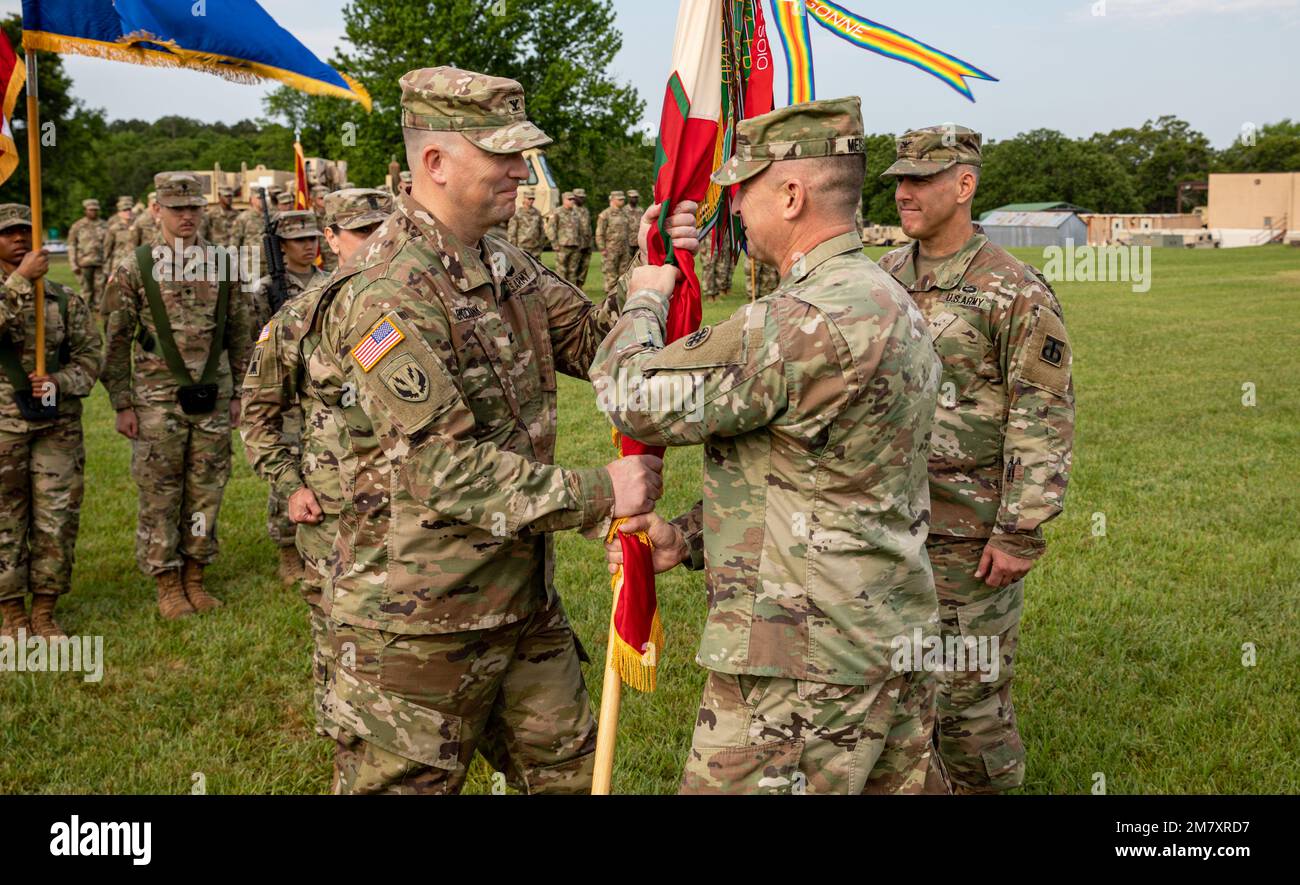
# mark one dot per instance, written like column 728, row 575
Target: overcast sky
column 1216, row 63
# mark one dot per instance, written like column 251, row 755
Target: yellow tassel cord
column 8, row 148
column 235, row 69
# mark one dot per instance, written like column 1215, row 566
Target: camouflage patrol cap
column 404, row 176
column 125, row 203
column 357, row 207
column 527, row 192
column 617, row 195
column 90, row 204
column 178, row 189
column 14, row 215
column 634, row 194
column 579, row 192
column 828, row 128
column 488, row 111
column 153, row 197
column 224, row 191
column 934, row 149
column 284, row 198
column 296, row 225
column 567, row 195
column 319, row 190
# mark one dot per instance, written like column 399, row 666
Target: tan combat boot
column 290, row 570
column 15, row 615
column 172, row 603
column 192, row 580
column 43, row 623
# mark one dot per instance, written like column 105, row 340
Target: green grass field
column 1131, row 658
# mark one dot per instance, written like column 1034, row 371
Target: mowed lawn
column 1131, row 659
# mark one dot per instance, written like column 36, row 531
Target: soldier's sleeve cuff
column 649, row 299
column 596, row 494
column 19, row 283
column 691, row 525
column 291, row 482
column 121, row 401
column 1022, row 545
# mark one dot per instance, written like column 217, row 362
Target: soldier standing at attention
column 145, row 230
column 88, row 253
column 814, row 407
column 566, row 236
column 761, row 279
column 449, row 343
column 42, row 458
column 612, row 238
column 328, row 258
column 173, row 345
column 525, row 229
column 222, row 218
column 120, row 241
column 1003, row 433
column 298, row 237
column 587, row 239
column 634, row 212
column 289, row 383
column 715, row 281
column 250, row 228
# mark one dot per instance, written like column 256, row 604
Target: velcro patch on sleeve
column 1048, row 357
column 265, row 334
column 711, row 346
column 381, row 338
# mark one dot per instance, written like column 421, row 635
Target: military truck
column 331, row 173
column 884, row 235
column 546, row 192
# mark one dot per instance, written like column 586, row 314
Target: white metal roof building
column 1034, row 229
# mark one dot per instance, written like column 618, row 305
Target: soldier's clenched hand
column 658, row 279
column 35, row 265
column 127, row 424
column 668, row 545
column 999, row 568
column 681, row 227
column 638, row 483
column 303, row 507
column 43, row 385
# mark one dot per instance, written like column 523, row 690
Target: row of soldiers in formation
column 882, row 447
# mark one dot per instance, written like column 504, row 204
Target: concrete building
column 1104, row 230
column 1254, row 208
column 1034, row 229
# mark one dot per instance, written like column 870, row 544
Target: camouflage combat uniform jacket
column 1000, row 457
column 814, row 406
column 452, row 429
column 88, row 243
column 120, row 242
column 145, row 230
column 525, row 230
column 221, row 225
column 77, row 377
column 260, row 299
column 134, row 375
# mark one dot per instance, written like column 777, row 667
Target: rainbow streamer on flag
column 791, row 23
column 890, row 43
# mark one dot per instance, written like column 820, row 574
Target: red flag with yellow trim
column 13, row 73
column 301, row 190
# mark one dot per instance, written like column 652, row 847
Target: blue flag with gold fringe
column 235, row 39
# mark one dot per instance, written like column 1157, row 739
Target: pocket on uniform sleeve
column 393, row 723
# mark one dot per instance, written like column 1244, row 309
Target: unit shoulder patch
column 1048, row 357
column 709, row 347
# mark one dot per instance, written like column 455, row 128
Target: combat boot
column 172, row 603
column 192, row 580
column 290, row 570
column 43, row 623
column 15, row 615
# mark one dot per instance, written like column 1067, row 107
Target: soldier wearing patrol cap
column 404, row 182
column 449, row 343
column 1003, row 433
column 120, row 241
column 290, row 385
column 814, row 407
column 328, row 258
column 615, row 229
column 634, row 212
column 88, row 253
column 144, row 232
column 526, row 226
column 173, row 345
column 284, row 202
column 42, row 456
column 564, row 227
column 222, row 218
column 299, row 240
column 587, row 239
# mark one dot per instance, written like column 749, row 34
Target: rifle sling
column 162, row 323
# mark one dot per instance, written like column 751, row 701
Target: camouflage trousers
column 613, row 264
column 715, row 276
column 584, row 265
column 282, row 530
column 41, row 482
column 181, row 464
column 978, row 745
column 566, row 264
column 761, row 280
column 769, row 735
column 93, row 281
column 315, row 543
column 412, row 710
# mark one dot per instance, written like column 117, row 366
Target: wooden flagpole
column 34, row 174
column 611, row 697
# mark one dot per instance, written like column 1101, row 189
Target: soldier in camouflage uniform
column 249, row 229
column 587, row 239
column 761, row 279
column 450, row 636
column 715, row 278
column 298, row 236
column 525, row 228
column 329, row 260
column 42, row 457
column 171, row 354
column 634, row 213
column 144, row 232
column 814, row 407
column 566, row 237
column 285, row 389
column 1000, row 455
column 615, row 230
column 222, row 218
column 283, row 202
column 88, row 253
column 120, row 241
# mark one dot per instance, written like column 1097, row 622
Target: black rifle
column 279, row 293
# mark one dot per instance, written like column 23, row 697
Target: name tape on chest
column 381, row 338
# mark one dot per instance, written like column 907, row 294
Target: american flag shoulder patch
column 381, row 338
column 266, row 334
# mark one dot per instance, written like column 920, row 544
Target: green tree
column 1157, row 158
column 560, row 50
column 1046, row 166
column 1276, row 148
column 878, row 205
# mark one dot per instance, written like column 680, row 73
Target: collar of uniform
column 825, row 251
column 952, row 271
column 472, row 272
